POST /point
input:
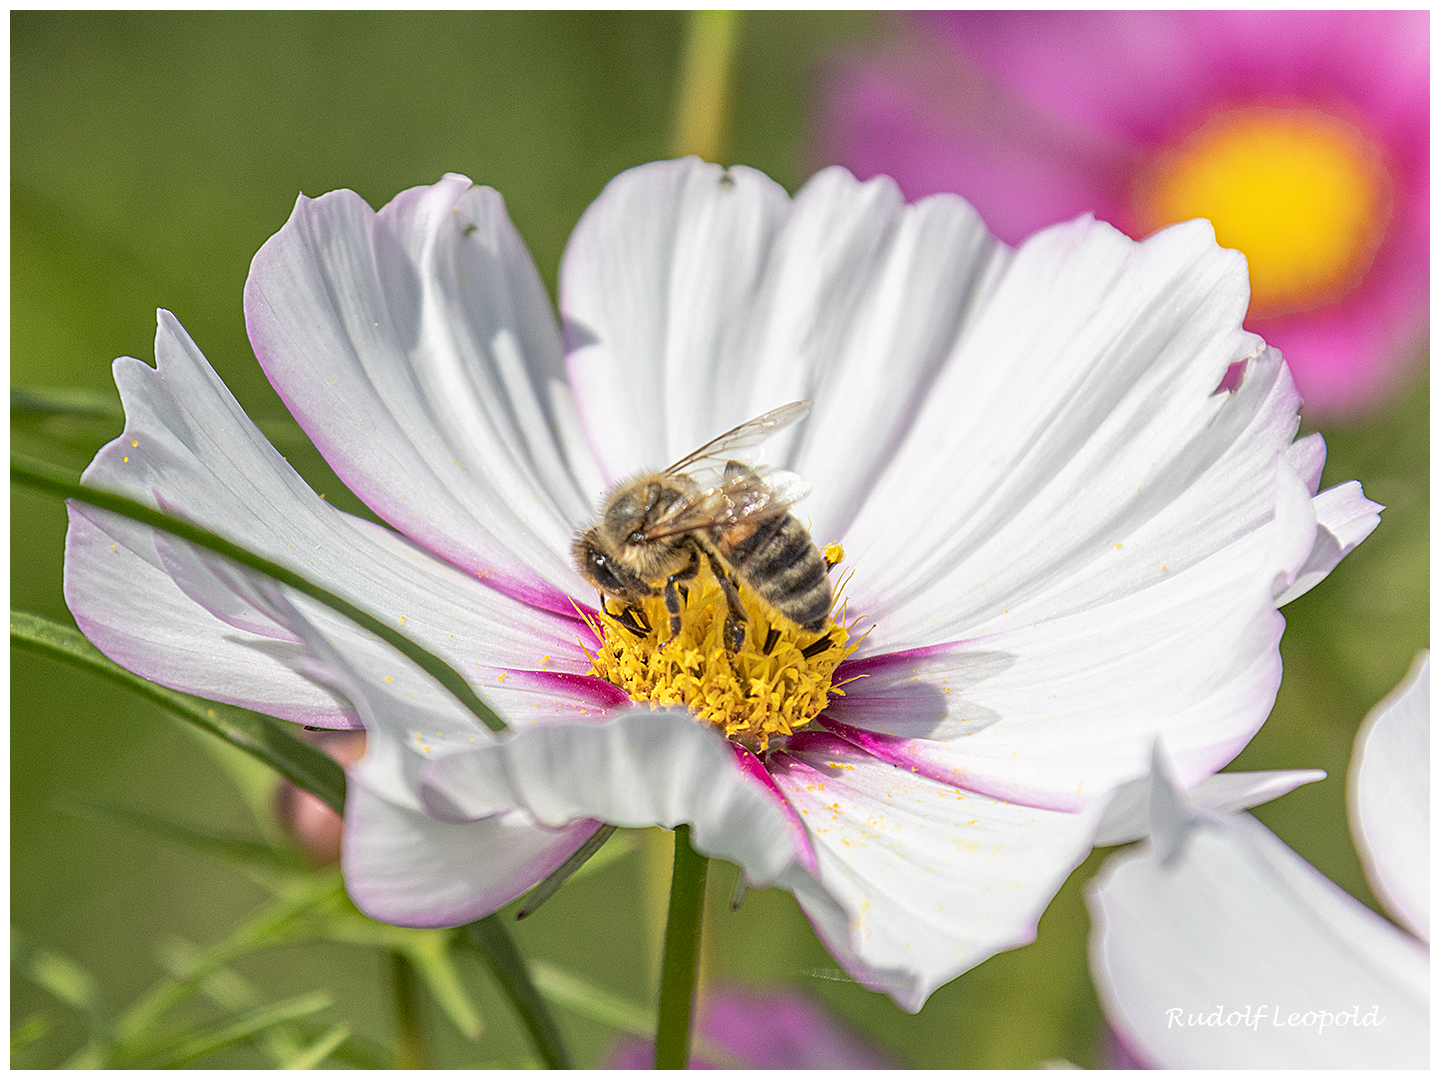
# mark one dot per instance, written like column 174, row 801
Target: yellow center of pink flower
column 1303, row 194
column 779, row 679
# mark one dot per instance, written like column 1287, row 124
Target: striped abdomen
column 781, row 563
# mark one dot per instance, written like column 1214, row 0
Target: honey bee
column 655, row 529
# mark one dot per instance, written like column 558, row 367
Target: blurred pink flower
column 1303, row 135
column 765, row 1030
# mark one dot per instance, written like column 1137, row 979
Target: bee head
column 596, row 567
column 630, row 509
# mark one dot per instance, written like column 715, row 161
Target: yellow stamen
column 1302, row 193
column 753, row 694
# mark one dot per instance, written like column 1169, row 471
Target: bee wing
column 748, row 434
column 752, row 494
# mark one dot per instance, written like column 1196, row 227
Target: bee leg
column 770, row 639
column 630, row 617
column 672, row 592
column 628, row 620
column 736, row 620
column 634, row 620
column 816, row 647
column 638, row 616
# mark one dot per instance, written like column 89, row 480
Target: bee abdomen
column 781, row 562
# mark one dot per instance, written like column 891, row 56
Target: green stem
column 410, row 1040
column 53, row 481
column 493, row 942
column 681, row 964
column 702, row 112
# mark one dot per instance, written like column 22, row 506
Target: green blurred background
column 152, row 155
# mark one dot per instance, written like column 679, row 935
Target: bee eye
column 600, row 571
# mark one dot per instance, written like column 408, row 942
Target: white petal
column 418, row 350
column 187, row 445
column 1024, row 517
column 1307, row 458
column 696, row 298
column 1057, row 713
column 406, row 868
column 1390, row 798
column 1078, row 413
column 126, row 604
column 863, row 300
column 1239, row 920
column 656, row 287
column 918, row 881
column 637, row 768
column 1344, row 517
column 1126, row 814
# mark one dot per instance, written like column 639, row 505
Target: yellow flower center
column 1303, row 194
column 778, row 680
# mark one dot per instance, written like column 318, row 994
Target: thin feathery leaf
column 566, row 989
column 42, row 403
column 275, row 924
column 262, row 736
column 565, row 871
column 435, row 964
column 230, row 848
column 318, row 1051
column 230, row 990
column 64, row 979
column 45, row 477
column 28, row 1032
column 65, row 401
column 491, row 939
column 189, row 1046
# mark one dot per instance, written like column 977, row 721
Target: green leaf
column 491, row 1064
column 275, row 924
column 434, row 961
column 62, row 977
column 567, row 989
column 230, row 848
column 584, row 998
column 83, row 403
column 230, row 990
column 234, row 993
column 264, row 737
column 320, row 1049
column 490, row 938
column 431, row 951
column 197, row 1044
column 30, row 1030
column 65, row 401
column 565, row 870
column 356, row 1052
column 54, row 481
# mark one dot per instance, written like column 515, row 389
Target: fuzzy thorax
column 753, row 694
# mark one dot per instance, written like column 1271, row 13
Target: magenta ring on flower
column 1064, row 478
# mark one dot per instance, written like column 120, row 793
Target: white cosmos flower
column 1063, row 475
column 1216, row 946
